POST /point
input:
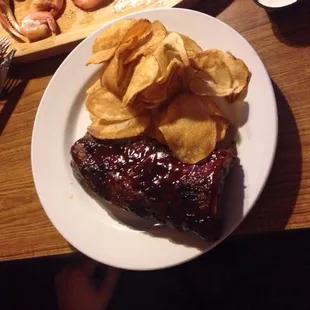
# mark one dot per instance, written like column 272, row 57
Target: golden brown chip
column 222, row 123
column 113, row 76
column 145, row 74
column 136, row 35
column 221, row 127
column 239, row 72
column 103, row 129
column 116, row 76
column 213, row 77
column 158, row 34
column 188, row 128
column 173, row 42
column 162, row 59
column 127, row 76
column 168, row 85
column 169, row 50
column 101, row 56
column 202, row 87
column 153, row 95
column 155, row 133
column 112, row 36
column 93, row 117
column 94, row 87
column 105, row 105
column 190, row 45
column 174, row 80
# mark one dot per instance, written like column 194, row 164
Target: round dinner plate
column 118, row 238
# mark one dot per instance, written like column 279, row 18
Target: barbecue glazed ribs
column 142, row 176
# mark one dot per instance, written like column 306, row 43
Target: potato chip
column 103, row 129
column 204, row 87
column 169, row 79
column 190, row 45
column 128, row 37
column 112, row 36
column 213, row 72
column 239, row 72
column 201, row 84
column 117, row 76
column 188, row 128
column 174, row 80
column 162, row 59
column 217, row 82
column 214, row 110
column 145, row 74
column 93, row 117
column 94, row 87
column 155, row 133
column 127, row 76
column 105, row 105
column 153, row 96
column 173, row 42
column 101, row 56
column 165, row 54
column 113, row 75
column 158, row 34
column 188, row 75
column 168, row 85
column 222, row 123
column 136, row 35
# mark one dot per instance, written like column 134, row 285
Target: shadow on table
column 245, row 272
column 292, row 25
column 253, row 272
column 278, row 199
column 36, row 69
column 212, row 8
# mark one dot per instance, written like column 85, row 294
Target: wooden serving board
column 76, row 24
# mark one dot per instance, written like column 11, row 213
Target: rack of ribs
column 142, row 176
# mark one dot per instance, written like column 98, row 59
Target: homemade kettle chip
column 112, row 36
column 190, row 45
column 143, row 76
column 158, row 34
column 239, row 72
column 103, row 129
column 218, row 74
column 164, row 87
column 188, row 128
column 105, row 105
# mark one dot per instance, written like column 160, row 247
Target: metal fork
column 5, row 60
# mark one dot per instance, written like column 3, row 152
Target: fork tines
column 4, row 45
column 5, row 59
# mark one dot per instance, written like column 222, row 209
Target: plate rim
column 268, row 170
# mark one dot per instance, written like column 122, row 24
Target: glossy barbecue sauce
column 141, row 175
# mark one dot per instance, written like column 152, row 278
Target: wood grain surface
column 76, row 24
column 282, row 40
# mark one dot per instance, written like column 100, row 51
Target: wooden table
column 282, row 41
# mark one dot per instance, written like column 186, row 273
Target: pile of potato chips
column 161, row 83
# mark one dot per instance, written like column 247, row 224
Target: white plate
column 116, row 237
